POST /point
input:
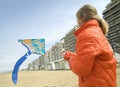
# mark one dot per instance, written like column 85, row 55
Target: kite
column 34, row 46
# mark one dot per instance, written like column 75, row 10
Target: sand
column 44, row 79
column 41, row 79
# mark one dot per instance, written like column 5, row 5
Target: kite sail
column 34, row 46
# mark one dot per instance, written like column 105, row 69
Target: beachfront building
column 69, row 40
column 31, row 66
column 54, row 57
column 48, row 59
column 58, row 55
column 37, row 64
column 41, row 62
column 112, row 16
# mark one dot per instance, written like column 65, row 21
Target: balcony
column 116, row 21
column 111, row 31
column 111, row 5
column 111, row 12
column 113, row 17
column 117, row 27
column 113, row 36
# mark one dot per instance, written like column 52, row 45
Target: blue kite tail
column 17, row 65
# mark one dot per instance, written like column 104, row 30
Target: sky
column 32, row 19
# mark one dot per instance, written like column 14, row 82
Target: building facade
column 53, row 58
column 31, row 66
column 48, row 59
column 41, row 64
column 112, row 16
column 69, row 40
column 37, row 64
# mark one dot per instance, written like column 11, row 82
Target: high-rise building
column 31, row 66
column 54, row 57
column 37, row 64
column 49, row 59
column 69, row 40
column 112, row 15
column 41, row 63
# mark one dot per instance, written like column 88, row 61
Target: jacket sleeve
column 86, row 51
column 69, row 54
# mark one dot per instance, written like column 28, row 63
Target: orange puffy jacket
column 94, row 60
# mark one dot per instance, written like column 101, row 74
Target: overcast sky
column 31, row 19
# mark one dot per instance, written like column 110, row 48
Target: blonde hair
column 89, row 12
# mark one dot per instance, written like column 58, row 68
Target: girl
column 94, row 60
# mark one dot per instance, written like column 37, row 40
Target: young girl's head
column 88, row 12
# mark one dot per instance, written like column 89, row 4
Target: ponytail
column 89, row 12
column 103, row 25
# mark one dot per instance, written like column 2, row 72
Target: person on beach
column 94, row 61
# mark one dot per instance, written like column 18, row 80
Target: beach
column 41, row 79
column 44, row 79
